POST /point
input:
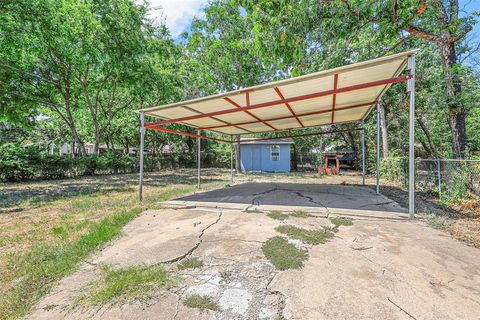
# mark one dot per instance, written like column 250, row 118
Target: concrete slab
column 370, row 270
column 323, row 199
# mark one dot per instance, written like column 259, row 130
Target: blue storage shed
column 266, row 156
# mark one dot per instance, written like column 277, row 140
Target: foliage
column 22, row 164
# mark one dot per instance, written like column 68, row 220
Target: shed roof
column 344, row 94
column 245, row 141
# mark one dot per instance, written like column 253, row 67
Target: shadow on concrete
column 325, row 196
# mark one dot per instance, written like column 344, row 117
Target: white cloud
column 177, row 13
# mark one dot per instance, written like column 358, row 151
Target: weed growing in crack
column 201, row 302
column 339, row 221
column 305, row 235
column 253, row 211
column 299, row 214
column 277, row 215
column 126, row 284
column 191, row 263
column 282, row 254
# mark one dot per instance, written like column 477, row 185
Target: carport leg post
column 231, row 161
column 378, row 151
column 363, row 152
column 199, row 162
column 411, row 136
column 142, row 142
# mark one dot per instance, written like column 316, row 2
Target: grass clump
column 132, row 283
column 277, row 215
column 339, row 221
column 201, row 302
column 306, row 236
column 39, row 270
column 299, row 214
column 282, row 254
column 191, row 263
column 438, row 221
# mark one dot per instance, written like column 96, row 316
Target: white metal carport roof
column 334, row 96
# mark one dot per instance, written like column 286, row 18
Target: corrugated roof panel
column 316, row 120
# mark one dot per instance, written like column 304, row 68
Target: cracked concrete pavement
column 375, row 269
column 349, row 200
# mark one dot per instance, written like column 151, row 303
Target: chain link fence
column 447, row 179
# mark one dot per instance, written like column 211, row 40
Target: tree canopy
column 74, row 71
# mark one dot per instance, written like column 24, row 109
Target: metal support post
column 238, row 165
column 439, row 175
column 411, row 138
column 378, row 151
column 199, row 160
column 362, row 134
column 142, row 144
column 231, row 161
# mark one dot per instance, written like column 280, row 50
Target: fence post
column 439, row 174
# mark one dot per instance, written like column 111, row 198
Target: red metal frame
column 301, row 135
column 334, row 99
column 247, row 99
column 283, row 101
column 189, row 134
column 288, row 106
column 290, row 117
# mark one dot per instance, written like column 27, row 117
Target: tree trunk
column 383, row 127
column 354, row 146
column 432, row 149
column 456, row 117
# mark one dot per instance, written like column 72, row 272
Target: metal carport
column 337, row 96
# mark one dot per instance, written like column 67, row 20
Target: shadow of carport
column 324, row 199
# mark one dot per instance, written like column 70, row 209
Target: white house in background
column 90, row 147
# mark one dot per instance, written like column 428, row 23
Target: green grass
column 59, row 245
column 299, row 214
column 283, row 255
column 305, row 235
column 40, row 269
column 277, row 215
column 201, row 302
column 126, row 284
column 191, row 263
column 339, row 221
column 438, row 222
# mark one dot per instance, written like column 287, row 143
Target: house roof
column 339, row 95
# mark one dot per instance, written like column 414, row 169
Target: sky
column 179, row 13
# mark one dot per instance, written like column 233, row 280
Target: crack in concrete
column 190, row 251
column 401, row 309
column 281, row 305
column 310, row 199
